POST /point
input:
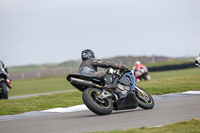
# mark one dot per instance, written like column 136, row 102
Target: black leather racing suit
column 91, row 65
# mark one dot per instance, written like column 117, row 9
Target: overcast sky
column 53, row 31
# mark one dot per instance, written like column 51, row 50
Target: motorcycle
column 5, row 83
column 141, row 76
column 127, row 94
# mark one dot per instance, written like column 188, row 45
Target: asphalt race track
column 168, row 109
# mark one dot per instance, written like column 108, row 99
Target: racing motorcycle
column 5, row 83
column 127, row 94
column 141, row 76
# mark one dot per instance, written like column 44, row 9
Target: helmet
column 87, row 54
column 197, row 61
column 137, row 62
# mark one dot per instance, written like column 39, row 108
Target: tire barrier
column 171, row 67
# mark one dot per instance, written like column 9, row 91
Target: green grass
column 161, row 83
column 175, row 73
column 15, row 106
column 40, row 85
column 192, row 126
column 173, row 81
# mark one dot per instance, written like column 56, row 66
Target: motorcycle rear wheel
column 145, row 100
column 4, row 91
column 104, row 107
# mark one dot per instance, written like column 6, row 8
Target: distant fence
column 41, row 73
column 171, row 67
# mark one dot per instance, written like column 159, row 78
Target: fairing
column 128, row 80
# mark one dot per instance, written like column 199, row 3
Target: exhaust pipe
column 76, row 81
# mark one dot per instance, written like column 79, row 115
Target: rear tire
column 94, row 105
column 4, row 91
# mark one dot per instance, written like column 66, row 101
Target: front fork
column 140, row 93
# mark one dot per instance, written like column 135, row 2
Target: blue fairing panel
column 126, row 80
column 133, row 82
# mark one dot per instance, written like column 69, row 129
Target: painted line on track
column 191, row 92
column 69, row 109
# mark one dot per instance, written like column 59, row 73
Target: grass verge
column 37, row 103
column 40, row 85
column 192, row 126
column 173, row 81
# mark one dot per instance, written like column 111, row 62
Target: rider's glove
column 122, row 67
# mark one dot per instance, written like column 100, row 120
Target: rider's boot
column 108, row 83
column 111, row 86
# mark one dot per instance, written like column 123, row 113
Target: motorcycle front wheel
column 98, row 106
column 4, row 91
column 144, row 99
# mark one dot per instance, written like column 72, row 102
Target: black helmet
column 87, row 54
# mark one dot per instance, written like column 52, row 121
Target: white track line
column 191, row 92
column 69, row 109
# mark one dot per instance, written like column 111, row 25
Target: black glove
column 122, row 68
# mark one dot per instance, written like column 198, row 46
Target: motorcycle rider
column 140, row 71
column 197, row 61
column 90, row 65
column 3, row 66
column 8, row 80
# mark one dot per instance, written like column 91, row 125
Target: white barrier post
column 22, row 75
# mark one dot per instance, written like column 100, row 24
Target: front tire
column 144, row 99
column 4, row 91
column 104, row 107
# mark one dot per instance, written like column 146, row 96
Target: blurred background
column 47, row 36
